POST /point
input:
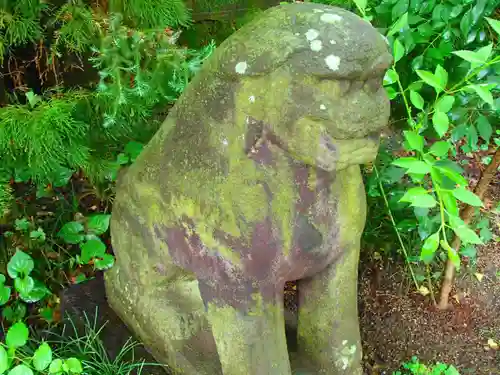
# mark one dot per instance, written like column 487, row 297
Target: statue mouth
column 337, row 154
column 330, row 154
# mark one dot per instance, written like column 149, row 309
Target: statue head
column 312, row 74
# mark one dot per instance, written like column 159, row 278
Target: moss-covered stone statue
column 254, row 180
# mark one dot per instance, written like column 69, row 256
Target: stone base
column 80, row 302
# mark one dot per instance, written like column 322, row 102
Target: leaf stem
column 403, row 247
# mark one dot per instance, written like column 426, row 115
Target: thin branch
column 467, row 215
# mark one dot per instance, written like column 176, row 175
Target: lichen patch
column 333, row 62
column 241, row 67
column 312, row 34
column 316, row 45
column 330, row 18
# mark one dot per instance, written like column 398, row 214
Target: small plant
column 414, row 367
column 85, row 233
column 16, row 361
column 85, row 343
column 20, row 269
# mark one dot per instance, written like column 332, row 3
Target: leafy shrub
column 133, row 70
column 444, row 89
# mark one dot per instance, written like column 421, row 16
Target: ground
column 397, row 322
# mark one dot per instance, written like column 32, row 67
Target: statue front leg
column 250, row 341
column 329, row 340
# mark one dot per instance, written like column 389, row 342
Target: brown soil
column 398, row 323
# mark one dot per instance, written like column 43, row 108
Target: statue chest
column 297, row 237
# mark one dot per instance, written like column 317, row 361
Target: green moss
column 251, row 343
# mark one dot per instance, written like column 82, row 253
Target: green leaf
column 56, row 366
column 413, row 165
column 399, row 8
column 472, row 137
column 24, row 285
column 390, row 77
column 61, row 176
column 484, row 128
column 417, row 100
column 36, row 294
column 398, row 50
column 485, row 234
column 361, row 4
column 74, row 365
column 466, row 23
column 122, row 159
column 410, row 195
column 431, row 80
column 469, row 251
column 399, row 25
column 440, row 148
column 98, row 224
column 21, row 264
column 14, row 313
column 484, row 93
column 467, row 196
column 107, row 261
column 442, row 75
column 415, row 141
column 419, row 197
column 4, row 294
column 38, row 234
column 456, row 10
column 405, row 162
column 467, row 235
column 419, row 167
column 495, row 24
column 452, row 175
column 17, row 335
column 33, row 98
column 72, row 232
column 22, row 224
column 452, row 370
column 485, row 52
column 21, row 370
column 424, row 201
column 4, row 360
column 133, row 149
column 42, row 357
column 445, row 103
column 430, row 246
column 470, row 56
column 391, row 93
column 92, row 249
column 441, row 123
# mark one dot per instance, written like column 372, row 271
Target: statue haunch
column 254, row 180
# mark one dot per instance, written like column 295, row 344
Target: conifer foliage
column 80, row 79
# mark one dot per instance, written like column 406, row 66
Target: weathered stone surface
column 254, row 180
column 223, row 9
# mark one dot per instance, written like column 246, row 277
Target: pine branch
column 38, row 141
column 145, row 14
